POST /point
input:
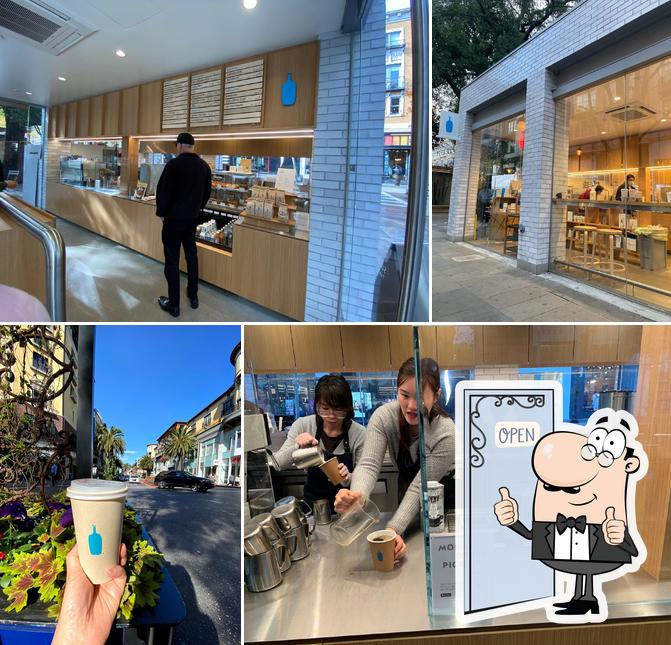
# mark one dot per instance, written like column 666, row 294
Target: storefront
column 554, row 132
column 334, row 592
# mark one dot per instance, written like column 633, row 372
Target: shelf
column 214, row 245
column 613, row 204
column 274, row 221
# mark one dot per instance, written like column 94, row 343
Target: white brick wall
column 587, row 23
column 345, row 208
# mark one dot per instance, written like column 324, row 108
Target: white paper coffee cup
column 97, row 509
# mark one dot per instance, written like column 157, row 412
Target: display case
column 609, row 179
column 95, row 165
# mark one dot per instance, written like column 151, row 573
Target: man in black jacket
column 183, row 190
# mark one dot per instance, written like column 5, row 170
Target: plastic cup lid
column 96, row 489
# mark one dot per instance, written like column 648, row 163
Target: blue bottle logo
column 289, row 91
column 449, row 126
column 95, row 542
column 380, row 557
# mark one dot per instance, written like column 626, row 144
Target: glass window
column 494, row 221
column 613, row 172
column 395, row 38
column 395, row 77
column 40, row 362
column 394, row 105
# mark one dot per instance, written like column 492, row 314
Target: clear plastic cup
column 355, row 521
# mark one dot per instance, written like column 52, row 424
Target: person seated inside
column 598, row 189
column 629, row 184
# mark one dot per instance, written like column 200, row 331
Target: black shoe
column 563, row 605
column 579, row 608
column 164, row 303
column 194, row 302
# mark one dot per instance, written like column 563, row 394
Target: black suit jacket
column 183, row 189
column 542, row 536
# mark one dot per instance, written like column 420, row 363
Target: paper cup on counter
column 97, row 510
column 382, row 549
column 330, row 469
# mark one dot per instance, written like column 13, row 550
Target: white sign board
column 286, row 180
column 450, row 125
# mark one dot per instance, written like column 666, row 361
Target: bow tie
column 578, row 523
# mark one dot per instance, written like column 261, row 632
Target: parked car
column 134, row 479
column 181, row 479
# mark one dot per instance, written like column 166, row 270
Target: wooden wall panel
column 302, row 63
column 629, row 343
column 83, row 108
column 652, row 406
column 111, row 106
column 271, row 270
column 366, row 348
column 267, row 347
column 551, row 345
column 595, row 344
column 53, row 121
column 151, row 101
column 317, row 348
column 459, row 346
column 71, row 119
column 96, row 111
column 61, row 120
column 400, row 341
column 128, row 110
column 505, row 345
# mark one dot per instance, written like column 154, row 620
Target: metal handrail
column 419, row 156
column 54, row 250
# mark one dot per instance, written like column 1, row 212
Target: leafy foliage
column 146, row 463
column 32, row 560
column 179, row 444
column 110, row 444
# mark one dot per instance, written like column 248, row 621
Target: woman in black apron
column 394, row 428
column 333, row 428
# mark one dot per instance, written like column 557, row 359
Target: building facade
column 398, row 96
column 552, row 134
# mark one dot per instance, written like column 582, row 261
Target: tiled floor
column 475, row 286
column 107, row 282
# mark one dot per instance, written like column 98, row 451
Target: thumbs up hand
column 613, row 530
column 506, row 510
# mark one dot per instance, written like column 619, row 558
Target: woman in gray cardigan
column 394, row 426
column 333, row 429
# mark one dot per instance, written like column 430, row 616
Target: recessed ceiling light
column 120, row 53
column 617, row 98
column 62, row 78
column 249, row 4
column 604, row 132
column 664, row 120
column 29, row 93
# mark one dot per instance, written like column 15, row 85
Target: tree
column 110, row 445
column 469, row 36
column 179, row 444
column 145, row 463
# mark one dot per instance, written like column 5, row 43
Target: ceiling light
column 617, row 98
column 120, row 53
column 249, row 4
column 62, row 78
column 604, row 132
column 29, row 93
column 664, row 120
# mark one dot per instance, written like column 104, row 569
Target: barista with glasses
column 334, row 430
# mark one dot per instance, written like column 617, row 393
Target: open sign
column 512, row 434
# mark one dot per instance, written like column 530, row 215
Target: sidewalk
column 472, row 285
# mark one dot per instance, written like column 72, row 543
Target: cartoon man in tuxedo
column 583, row 518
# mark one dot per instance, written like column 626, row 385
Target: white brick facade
column 345, row 207
column 545, row 163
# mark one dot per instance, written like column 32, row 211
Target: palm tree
column 110, row 445
column 180, row 443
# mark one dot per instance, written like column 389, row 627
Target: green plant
column 35, row 539
column 179, row 444
column 146, row 463
column 110, row 444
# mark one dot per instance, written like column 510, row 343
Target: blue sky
column 147, row 377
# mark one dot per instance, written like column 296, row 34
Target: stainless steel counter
column 335, row 592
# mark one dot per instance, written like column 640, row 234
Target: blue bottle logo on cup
column 380, row 557
column 95, row 542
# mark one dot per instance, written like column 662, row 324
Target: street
column 199, row 534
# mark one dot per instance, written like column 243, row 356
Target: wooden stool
column 585, row 233
column 605, row 243
column 511, row 233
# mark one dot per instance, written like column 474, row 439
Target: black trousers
column 174, row 236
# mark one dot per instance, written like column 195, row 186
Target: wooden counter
column 22, row 260
column 267, row 268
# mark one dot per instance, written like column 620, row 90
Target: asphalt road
column 199, row 534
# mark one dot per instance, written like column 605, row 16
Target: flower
column 66, row 519
column 3, row 555
column 55, row 506
column 15, row 510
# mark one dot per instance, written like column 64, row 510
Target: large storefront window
column 497, row 206
column 613, row 172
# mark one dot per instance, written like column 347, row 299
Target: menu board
column 243, row 93
column 175, row 103
column 205, row 98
